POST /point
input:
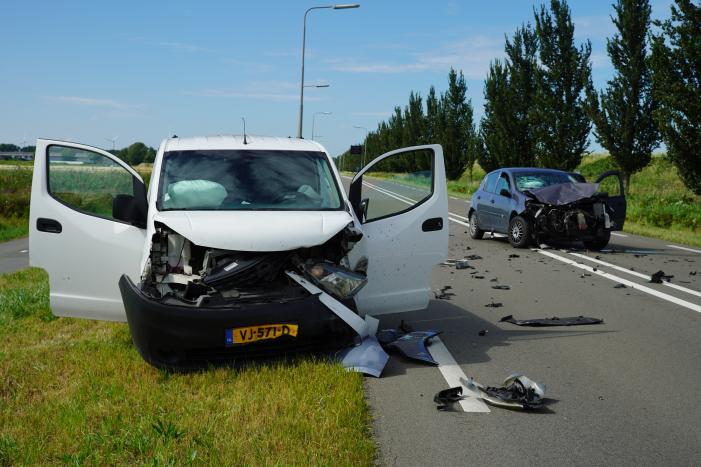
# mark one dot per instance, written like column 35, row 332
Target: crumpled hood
column 565, row 193
column 255, row 230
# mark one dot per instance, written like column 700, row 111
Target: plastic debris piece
column 447, row 397
column 482, row 333
column 554, row 321
column 660, row 276
column 411, row 345
column 517, row 392
column 473, row 257
column 501, row 287
column 443, row 294
column 461, row 264
column 620, row 286
column 477, row 276
column 514, row 255
column 494, row 305
column 368, row 357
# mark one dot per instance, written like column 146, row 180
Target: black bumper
column 189, row 338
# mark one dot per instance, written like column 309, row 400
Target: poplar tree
column 676, row 77
column 622, row 114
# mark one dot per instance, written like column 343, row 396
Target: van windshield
column 230, row 180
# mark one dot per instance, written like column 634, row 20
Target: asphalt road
column 623, row 393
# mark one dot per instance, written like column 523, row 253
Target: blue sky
column 140, row 71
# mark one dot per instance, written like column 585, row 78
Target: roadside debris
column 554, row 321
column 482, row 333
column 443, row 294
column 368, row 357
column 660, row 276
column 501, row 287
column 517, row 392
column 514, row 255
column 477, row 276
column 411, row 344
column 494, row 305
column 447, row 397
column 462, row 264
column 619, row 286
column 473, row 257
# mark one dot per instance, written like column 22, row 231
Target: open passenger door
column 611, row 182
column 401, row 201
column 86, row 227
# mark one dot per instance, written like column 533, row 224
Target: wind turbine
column 113, row 140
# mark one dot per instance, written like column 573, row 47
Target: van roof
column 236, row 142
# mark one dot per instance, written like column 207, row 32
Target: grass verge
column 76, row 391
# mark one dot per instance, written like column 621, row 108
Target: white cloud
column 471, row 55
column 89, row 101
column 259, row 90
column 182, row 46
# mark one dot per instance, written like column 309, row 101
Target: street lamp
column 314, row 120
column 304, row 38
column 364, row 143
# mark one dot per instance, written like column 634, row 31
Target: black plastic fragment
column 447, row 397
column 554, row 321
column 619, row 286
column 501, row 287
column 482, row 333
column 660, row 276
column 473, row 257
column 494, row 305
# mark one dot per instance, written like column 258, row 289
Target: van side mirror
column 504, row 192
column 131, row 209
column 363, row 208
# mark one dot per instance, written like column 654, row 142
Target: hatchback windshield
column 247, row 180
column 533, row 180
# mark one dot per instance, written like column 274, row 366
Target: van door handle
column 433, row 224
column 49, row 225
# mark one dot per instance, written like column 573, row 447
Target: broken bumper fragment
column 186, row 338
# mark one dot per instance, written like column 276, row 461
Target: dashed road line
column 452, row 372
column 618, row 234
column 626, row 282
column 685, row 248
column 637, row 274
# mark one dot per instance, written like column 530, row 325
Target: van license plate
column 258, row 333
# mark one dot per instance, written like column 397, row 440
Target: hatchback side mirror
column 504, row 192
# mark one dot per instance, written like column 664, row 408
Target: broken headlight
column 336, row 280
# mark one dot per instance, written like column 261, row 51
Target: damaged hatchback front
column 540, row 205
column 242, row 248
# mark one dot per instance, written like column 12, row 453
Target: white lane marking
column 453, row 197
column 618, row 235
column 684, row 248
column 632, row 285
column 457, row 221
column 638, row 274
column 24, row 251
column 385, row 190
column 387, row 194
column 452, row 373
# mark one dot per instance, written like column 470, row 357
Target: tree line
column 541, row 105
column 133, row 154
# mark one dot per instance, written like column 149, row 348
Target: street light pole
column 304, row 40
column 314, row 120
column 364, row 143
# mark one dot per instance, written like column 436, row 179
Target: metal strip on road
column 452, row 373
column 685, row 248
column 638, row 274
column 632, row 285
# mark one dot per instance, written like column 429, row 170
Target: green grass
column 76, row 392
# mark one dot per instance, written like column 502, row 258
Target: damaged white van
column 239, row 248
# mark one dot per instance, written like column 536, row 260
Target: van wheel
column 475, row 231
column 519, row 232
column 599, row 242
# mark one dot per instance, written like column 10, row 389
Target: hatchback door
column 86, row 227
column 402, row 202
column 611, row 182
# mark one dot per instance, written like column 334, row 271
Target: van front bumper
column 189, row 338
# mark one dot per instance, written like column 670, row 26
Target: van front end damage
column 197, row 306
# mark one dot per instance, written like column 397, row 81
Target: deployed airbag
column 190, row 194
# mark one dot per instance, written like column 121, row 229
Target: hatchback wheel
column 475, row 231
column 519, row 232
